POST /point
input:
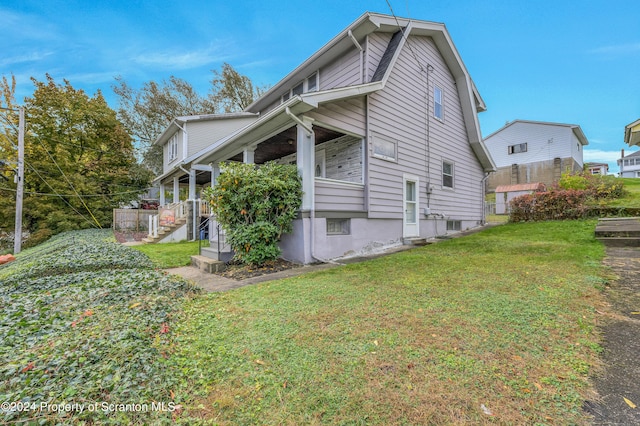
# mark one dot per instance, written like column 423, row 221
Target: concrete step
column 207, row 264
column 414, row 241
column 212, row 253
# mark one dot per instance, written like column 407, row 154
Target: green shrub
column 255, row 205
column 596, row 186
column 549, row 205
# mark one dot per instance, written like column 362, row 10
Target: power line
column 71, row 185
column 73, row 195
column 61, row 197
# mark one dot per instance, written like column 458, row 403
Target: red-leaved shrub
column 549, row 205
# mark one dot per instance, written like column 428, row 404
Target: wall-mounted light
column 290, row 141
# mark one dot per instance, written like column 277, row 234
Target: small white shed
column 506, row 193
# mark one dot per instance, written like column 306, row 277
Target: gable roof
column 577, row 131
column 176, row 123
column 633, row 154
column 632, row 133
column 346, row 40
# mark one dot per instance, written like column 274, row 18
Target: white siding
column 398, row 113
column 537, row 137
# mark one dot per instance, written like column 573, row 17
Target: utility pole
column 19, row 180
column 17, row 241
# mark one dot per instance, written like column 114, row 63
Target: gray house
column 382, row 125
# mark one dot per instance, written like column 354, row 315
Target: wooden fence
column 132, row 219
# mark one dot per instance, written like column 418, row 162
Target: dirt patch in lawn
column 124, row 237
column 241, row 272
column 617, row 384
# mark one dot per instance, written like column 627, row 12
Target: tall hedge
column 255, row 205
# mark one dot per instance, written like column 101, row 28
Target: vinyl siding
column 166, row 165
column 348, row 115
column 343, row 72
column 376, row 45
column 202, row 134
column 339, row 196
column 398, row 114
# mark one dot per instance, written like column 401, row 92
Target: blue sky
column 566, row 61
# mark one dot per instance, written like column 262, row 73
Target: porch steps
column 415, row 241
column 164, row 231
column 619, row 232
column 207, row 264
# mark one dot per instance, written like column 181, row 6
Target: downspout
column 355, row 42
column 482, row 186
column 312, row 209
column 185, row 139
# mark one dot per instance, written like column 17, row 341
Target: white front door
column 410, row 219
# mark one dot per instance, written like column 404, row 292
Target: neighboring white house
column 534, row 151
column 597, row 168
column 382, row 125
column 629, row 165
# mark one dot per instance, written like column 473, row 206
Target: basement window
column 454, row 225
column 338, row 226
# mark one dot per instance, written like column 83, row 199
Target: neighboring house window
column 338, row 226
column 454, row 225
column 384, row 149
column 517, row 148
column 173, row 148
column 447, row 174
column 438, row 106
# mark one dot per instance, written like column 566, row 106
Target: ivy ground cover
column 493, row 328
column 85, row 326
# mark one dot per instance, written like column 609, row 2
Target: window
column 172, row 148
column 454, row 225
column 384, row 149
column 312, row 82
column 338, row 226
column 447, row 174
column 438, row 107
column 518, row 148
column 298, row 90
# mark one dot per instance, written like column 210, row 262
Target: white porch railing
column 179, row 213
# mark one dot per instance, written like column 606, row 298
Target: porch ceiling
column 279, row 145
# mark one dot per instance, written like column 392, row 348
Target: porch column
column 248, row 154
column 162, row 189
column 192, row 184
column 215, row 172
column 176, row 190
column 306, row 162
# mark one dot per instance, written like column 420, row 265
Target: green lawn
column 171, row 255
column 632, row 199
column 502, row 319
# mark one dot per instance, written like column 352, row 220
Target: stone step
column 207, row 264
column 620, row 241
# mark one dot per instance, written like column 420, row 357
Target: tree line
column 83, row 158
